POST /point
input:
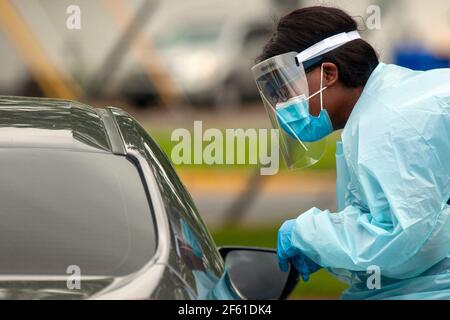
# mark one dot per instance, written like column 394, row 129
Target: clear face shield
column 283, row 87
column 280, row 82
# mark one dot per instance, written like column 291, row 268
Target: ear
column 330, row 74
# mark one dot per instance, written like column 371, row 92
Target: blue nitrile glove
column 287, row 252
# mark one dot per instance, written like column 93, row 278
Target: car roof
column 57, row 124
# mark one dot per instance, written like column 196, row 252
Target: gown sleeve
column 404, row 226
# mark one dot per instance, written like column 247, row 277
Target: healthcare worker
column 390, row 237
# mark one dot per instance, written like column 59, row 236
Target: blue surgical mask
column 294, row 118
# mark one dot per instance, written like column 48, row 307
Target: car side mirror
column 254, row 273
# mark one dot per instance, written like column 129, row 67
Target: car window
column 63, row 208
column 179, row 204
column 193, row 255
column 186, row 222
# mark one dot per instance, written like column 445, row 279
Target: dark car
column 90, row 207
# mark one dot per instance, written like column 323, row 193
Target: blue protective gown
column 393, row 185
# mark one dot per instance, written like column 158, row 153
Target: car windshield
column 66, row 211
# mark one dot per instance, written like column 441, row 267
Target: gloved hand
column 287, row 252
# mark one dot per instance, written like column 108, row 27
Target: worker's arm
column 406, row 229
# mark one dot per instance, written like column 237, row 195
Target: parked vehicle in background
column 208, row 49
column 210, row 60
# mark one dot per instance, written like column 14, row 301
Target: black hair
column 305, row 27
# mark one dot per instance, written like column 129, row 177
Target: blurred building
column 202, row 49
